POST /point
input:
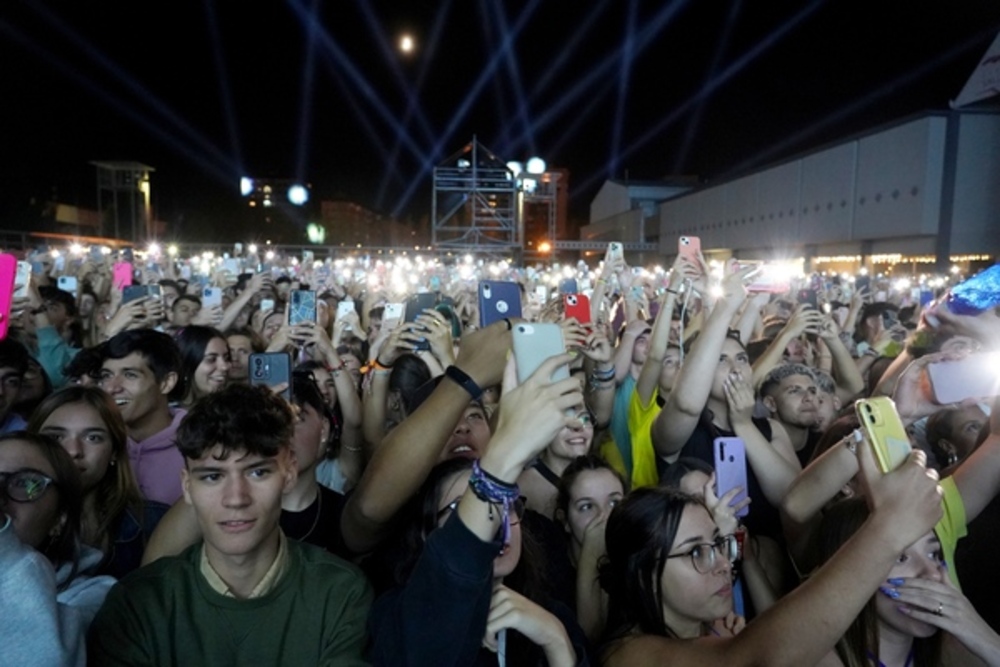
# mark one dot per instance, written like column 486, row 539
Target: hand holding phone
column 731, row 471
column 885, row 431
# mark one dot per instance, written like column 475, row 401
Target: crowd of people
column 405, row 497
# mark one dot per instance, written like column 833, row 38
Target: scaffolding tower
column 475, row 205
column 123, row 187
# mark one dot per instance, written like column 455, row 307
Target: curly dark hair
column 247, row 419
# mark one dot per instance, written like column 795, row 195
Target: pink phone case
column 689, row 247
column 8, row 272
column 122, row 275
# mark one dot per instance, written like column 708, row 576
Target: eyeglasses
column 443, row 513
column 703, row 556
column 24, row 486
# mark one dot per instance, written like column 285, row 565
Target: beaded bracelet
column 493, row 491
column 604, row 375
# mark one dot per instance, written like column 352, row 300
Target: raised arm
column 260, row 281
column 849, row 380
column 803, row 320
column 649, row 376
column 802, row 627
column 408, row 453
column 694, row 382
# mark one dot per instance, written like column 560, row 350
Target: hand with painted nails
column 936, row 602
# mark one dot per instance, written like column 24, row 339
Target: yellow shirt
column 640, row 423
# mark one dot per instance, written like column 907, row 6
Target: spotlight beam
column 602, row 71
column 157, row 105
column 357, row 79
column 426, row 60
column 179, row 144
column 712, row 86
column 498, row 90
column 392, row 60
column 466, row 104
column 624, row 69
column 514, row 72
column 363, row 119
column 305, row 102
column 224, row 93
column 695, row 119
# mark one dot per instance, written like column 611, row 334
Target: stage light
column 154, row 249
column 406, row 44
column 76, row 249
column 172, row 250
column 246, row 186
column 515, row 168
column 544, row 246
column 298, row 195
column 536, row 165
column 252, row 248
column 464, row 164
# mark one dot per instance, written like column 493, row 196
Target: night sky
column 208, row 91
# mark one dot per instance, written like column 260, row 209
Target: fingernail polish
column 896, row 581
column 889, row 592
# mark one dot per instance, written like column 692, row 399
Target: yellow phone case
column 885, row 431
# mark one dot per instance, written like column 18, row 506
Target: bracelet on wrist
column 378, row 365
column 493, row 491
column 461, row 378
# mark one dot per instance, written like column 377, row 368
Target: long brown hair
column 117, row 491
column 859, row 646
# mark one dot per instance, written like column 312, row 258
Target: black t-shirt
column 763, row 518
column 319, row 524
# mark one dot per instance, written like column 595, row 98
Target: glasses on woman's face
column 24, row 486
column 703, row 556
column 446, row 511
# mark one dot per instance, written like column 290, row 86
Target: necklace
column 319, row 510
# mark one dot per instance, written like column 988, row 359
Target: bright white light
column 863, row 271
column 464, row 164
column 529, row 185
column 298, row 195
column 208, row 254
column 716, row 291
column 536, row 165
column 468, row 259
column 954, row 269
column 105, row 250
column 252, row 248
column 568, row 271
column 902, row 284
column 172, row 250
column 76, row 249
column 515, row 168
column 246, row 186
column 267, row 202
column 406, row 44
column 54, row 253
column 494, row 270
column 269, row 255
column 465, row 272
column 154, row 249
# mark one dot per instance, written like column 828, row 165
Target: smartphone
column 415, row 306
column 498, row 300
column 391, row 316
column 302, row 306
column 976, row 376
column 568, row 286
column 122, row 276
column 22, row 280
column 8, row 274
column 271, row 369
column 615, row 251
column 885, row 431
column 535, row 342
column 133, row 293
column 541, row 293
column 689, row 247
column 231, row 266
column 768, row 279
column 267, row 304
column 67, row 284
column 731, row 469
column 578, row 306
column 345, row 308
column 154, row 291
column 237, row 248
column 211, row 296
column 809, row 297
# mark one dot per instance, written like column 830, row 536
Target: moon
column 406, row 44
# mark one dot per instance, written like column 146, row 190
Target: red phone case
column 578, row 306
column 8, row 272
